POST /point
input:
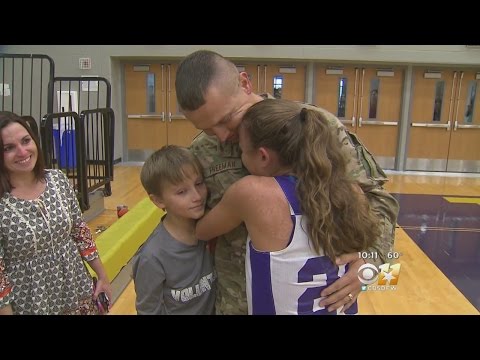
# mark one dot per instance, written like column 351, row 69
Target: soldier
column 213, row 95
column 300, row 210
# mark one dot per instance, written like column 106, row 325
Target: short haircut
column 167, row 166
column 199, row 71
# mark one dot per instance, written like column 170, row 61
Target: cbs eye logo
column 367, row 274
column 388, row 275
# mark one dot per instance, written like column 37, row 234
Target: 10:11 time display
column 371, row 255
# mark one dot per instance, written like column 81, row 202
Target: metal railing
column 89, row 94
column 98, row 127
column 63, row 144
column 25, row 81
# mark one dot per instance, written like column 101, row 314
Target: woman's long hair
column 338, row 217
column 7, row 118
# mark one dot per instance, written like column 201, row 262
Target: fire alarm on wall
column 85, row 63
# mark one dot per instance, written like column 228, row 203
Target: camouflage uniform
column 223, row 166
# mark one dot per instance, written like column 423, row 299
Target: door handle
column 374, row 122
column 177, row 117
column 147, row 116
column 468, row 126
column 428, row 125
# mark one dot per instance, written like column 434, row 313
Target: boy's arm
column 148, row 277
column 226, row 215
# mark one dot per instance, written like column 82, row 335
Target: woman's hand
column 103, row 285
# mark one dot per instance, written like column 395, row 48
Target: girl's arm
column 227, row 214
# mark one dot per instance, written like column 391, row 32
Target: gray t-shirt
column 174, row 278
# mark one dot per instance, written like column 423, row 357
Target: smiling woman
column 43, row 237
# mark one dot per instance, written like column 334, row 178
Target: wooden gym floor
column 438, row 237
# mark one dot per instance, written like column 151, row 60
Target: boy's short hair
column 167, row 166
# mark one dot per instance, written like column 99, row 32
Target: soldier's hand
column 344, row 291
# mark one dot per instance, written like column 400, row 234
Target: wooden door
column 379, row 109
column 285, row 81
column 336, row 91
column 153, row 115
column 464, row 149
column 432, row 109
column 367, row 101
column 145, row 107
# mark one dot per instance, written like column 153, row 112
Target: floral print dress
column 42, row 247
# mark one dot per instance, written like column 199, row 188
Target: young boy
column 173, row 271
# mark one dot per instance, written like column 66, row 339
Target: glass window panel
column 470, row 104
column 342, row 97
column 372, row 110
column 438, row 102
column 151, row 92
column 277, row 86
